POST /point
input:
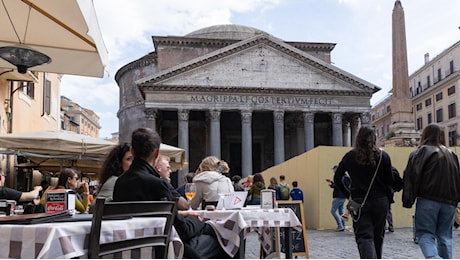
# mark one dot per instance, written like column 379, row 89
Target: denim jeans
column 433, row 228
column 337, row 211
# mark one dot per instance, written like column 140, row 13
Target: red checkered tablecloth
column 70, row 239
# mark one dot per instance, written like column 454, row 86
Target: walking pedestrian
column 432, row 181
column 370, row 173
column 338, row 200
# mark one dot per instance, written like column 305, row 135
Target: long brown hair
column 432, row 135
column 113, row 165
column 365, row 146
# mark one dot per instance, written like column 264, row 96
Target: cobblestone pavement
column 328, row 244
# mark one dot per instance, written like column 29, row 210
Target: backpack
column 284, row 192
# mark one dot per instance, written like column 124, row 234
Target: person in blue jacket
column 296, row 193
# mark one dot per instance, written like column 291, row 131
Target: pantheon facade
column 242, row 95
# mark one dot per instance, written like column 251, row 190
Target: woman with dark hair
column 370, row 173
column 256, row 187
column 432, row 178
column 116, row 163
column 68, row 179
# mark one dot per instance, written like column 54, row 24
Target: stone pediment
column 258, row 64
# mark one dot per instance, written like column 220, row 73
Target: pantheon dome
column 226, row 31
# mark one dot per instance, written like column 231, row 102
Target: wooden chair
column 206, row 203
column 119, row 210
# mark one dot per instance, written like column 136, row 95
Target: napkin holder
column 60, row 200
column 267, row 198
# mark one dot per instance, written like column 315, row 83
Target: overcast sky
column 360, row 28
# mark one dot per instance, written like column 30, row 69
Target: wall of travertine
column 311, row 169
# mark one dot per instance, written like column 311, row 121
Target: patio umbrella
column 176, row 156
column 69, row 149
column 65, row 31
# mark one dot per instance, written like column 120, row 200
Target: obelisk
column 402, row 122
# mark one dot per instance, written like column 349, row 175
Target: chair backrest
column 105, row 210
column 206, row 203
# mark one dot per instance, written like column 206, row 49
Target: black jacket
column 432, row 173
column 397, row 185
column 361, row 176
column 140, row 183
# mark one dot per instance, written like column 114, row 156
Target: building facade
column 79, row 119
column 31, row 103
column 242, row 95
column 381, row 120
column 434, row 89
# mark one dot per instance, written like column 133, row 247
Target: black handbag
column 355, row 207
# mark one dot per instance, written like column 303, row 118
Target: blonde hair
column 163, row 158
column 212, row 163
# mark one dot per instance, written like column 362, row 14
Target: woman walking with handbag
column 369, row 169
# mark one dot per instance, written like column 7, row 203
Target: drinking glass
column 190, row 191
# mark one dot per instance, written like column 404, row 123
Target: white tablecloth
column 229, row 223
column 70, row 239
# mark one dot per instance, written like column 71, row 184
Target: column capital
column 214, row 114
column 337, row 118
column 183, row 114
column 150, row 113
column 278, row 115
column 246, row 116
column 309, row 117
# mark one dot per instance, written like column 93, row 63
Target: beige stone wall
column 311, row 169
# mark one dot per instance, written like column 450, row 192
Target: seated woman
column 116, row 163
column 210, row 181
column 68, row 179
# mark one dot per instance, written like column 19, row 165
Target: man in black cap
column 338, row 200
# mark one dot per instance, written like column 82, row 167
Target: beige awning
column 67, row 31
column 49, row 149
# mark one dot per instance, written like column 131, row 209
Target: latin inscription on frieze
column 259, row 100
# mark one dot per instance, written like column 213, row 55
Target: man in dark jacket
column 141, row 182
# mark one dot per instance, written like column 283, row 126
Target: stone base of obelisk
column 404, row 135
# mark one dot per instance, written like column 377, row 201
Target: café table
column 70, row 239
column 232, row 225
